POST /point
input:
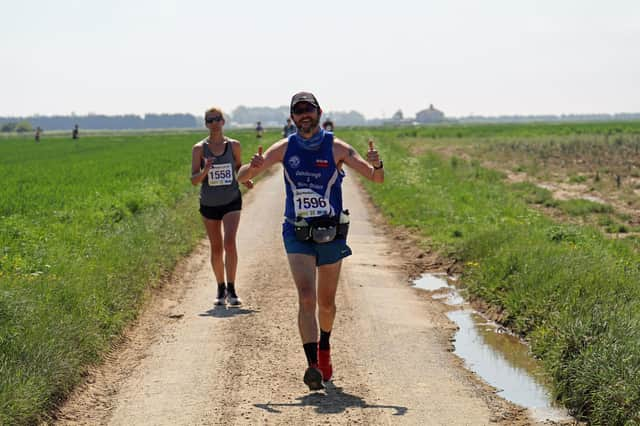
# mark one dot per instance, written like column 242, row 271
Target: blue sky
column 486, row 57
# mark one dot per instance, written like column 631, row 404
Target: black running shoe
column 233, row 300
column 313, row 378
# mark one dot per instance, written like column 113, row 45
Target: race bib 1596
column 308, row 203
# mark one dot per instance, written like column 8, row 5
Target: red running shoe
column 324, row 363
column 313, row 378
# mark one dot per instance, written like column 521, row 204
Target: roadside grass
column 581, row 207
column 572, row 292
column 86, row 228
column 533, row 194
column 605, row 162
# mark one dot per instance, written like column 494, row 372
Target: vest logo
column 322, row 163
column 294, row 161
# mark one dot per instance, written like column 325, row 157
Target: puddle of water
column 432, row 282
column 436, row 282
column 503, row 362
column 501, row 359
column 451, row 298
column 454, row 299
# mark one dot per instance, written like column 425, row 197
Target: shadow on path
column 333, row 401
column 224, row 312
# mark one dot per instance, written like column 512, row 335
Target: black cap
column 304, row 97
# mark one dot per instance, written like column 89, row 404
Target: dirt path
column 186, row 363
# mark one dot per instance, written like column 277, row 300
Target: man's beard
column 307, row 127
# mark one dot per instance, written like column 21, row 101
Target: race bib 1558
column 220, row 174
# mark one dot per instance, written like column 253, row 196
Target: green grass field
column 570, row 290
column 86, row 228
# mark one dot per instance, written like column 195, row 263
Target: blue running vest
column 313, row 183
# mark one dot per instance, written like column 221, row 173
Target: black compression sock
column 231, row 289
column 311, row 351
column 221, row 290
column 324, row 339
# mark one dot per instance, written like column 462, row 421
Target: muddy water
column 500, row 358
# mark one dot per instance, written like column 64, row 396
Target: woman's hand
column 208, row 163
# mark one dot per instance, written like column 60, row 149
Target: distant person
column 38, row 131
column 316, row 224
column 259, row 130
column 75, row 134
column 328, row 125
column 288, row 129
column 215, row 161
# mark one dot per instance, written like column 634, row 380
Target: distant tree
column 267, row 115
column 168, row 121
column 398, row 116
column 23, row 127
column 100, row 121
column 9, row 127
column 351, row 118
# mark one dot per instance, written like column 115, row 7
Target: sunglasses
column 304, row 108
column 212, row 119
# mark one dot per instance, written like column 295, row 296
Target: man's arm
column 237, row 157
column 371, row 168
column 259, row 163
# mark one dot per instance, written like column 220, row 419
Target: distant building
column 430, row 115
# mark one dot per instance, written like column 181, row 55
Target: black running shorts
column 217, row 212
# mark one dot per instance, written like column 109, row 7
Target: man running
column 315, row 226
column 328, row 125
column 288, row 129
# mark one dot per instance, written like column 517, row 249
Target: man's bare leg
column 328, row 276
column 303, row 269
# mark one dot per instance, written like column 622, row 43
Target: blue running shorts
column 325, row 253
